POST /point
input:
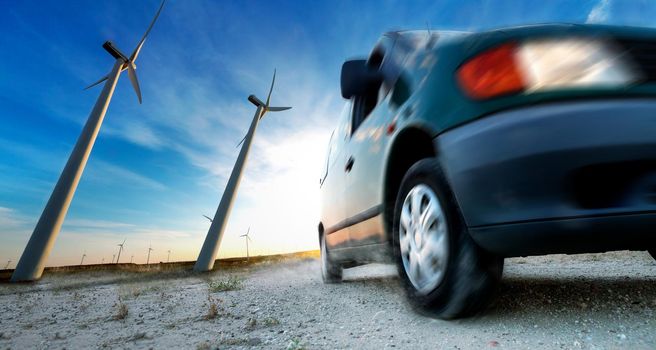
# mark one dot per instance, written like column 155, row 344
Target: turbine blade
column 135, row 53
column 98, row 82
column 208, row 218
column 278, row 109
column 124, row 241
column 249, row 231
column 132, row 73
column 270, row 89
column 240, row 142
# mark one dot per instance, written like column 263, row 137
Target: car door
column 333, row 184
column 372, row 122
column 363, row 168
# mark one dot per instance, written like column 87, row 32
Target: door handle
column 349, row 164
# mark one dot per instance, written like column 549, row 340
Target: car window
column 396, row 83
column 344, row 126
column 363, row 105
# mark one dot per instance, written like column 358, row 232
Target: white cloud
column 96, row 224
column 136, row 132
column 9, row 218
column 600, row 12
column 105, row 172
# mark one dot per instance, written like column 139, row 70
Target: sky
column 156, row 168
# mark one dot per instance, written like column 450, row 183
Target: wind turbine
column 168, row 257
column 131, row 258
column 248, row 238
column 83, row 256
column 113, row 256
column 102, row 261
column 31, row 264
column 7, row 266
column 207, row 256
column 148, row 258
column 120, row 249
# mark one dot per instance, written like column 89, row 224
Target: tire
column 330, row 272
column 469, row 276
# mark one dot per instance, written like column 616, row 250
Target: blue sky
column 157, row 167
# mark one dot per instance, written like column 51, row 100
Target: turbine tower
column 113, row 256
column 168, row 256
column 248, row 238
column 83, row 256
column 7, row 266
column 148, row 258
column 31, row 264
column 131, row 258
column 120, row 249
column 212, row 242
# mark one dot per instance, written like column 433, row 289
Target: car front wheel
column 442, row 269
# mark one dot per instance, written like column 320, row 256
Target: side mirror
column 357, row 78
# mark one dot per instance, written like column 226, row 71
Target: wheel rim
column 423, row 239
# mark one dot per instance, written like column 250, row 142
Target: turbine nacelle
column 129, row 62
column 264, row 105
column 256, row 101
column 114, row 51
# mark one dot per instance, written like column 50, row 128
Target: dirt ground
column 594, row 301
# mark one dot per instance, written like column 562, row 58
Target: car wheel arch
column 320, row 231
column 409, row 146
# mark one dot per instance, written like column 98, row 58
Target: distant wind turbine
column 102, row 261
column 32, row 262
column 148, row 258
column 131, row 258
column 207, row 256
column 168, row 257
column 113, row 256
column 247, row 238
column 83, row 256
column 7, row 266
column 120, row 249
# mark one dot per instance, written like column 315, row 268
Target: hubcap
column 423, row 239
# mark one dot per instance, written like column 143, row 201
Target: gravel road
column 593, row 301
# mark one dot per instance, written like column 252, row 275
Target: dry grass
column 121, row 310
column 295, row 344
column 204, row 346
column 225, row 284
column 213, row 309
column 270, row 322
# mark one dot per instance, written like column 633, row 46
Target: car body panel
column 365, row 149
column 422, row 94
column 553, row 160
column 333, row 185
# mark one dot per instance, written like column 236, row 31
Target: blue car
column 455, row 150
